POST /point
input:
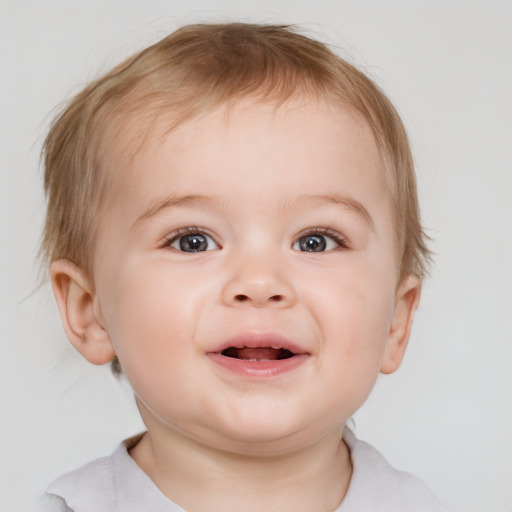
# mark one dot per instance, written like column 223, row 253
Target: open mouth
column 257, row 353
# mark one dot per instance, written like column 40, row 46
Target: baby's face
column 246, row 274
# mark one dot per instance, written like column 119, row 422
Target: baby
column 233, row 224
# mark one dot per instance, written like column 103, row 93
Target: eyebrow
column 169, row 202
column 181, row 201
column 347, row 202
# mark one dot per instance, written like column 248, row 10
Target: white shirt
column 118, row 484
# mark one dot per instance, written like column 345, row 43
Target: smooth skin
column 253, row 220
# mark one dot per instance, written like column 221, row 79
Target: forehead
column 253, row 165
column 259, row 141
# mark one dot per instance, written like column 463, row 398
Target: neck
column 199, row 477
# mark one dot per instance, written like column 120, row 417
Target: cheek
column 153, row 317
column 355, row 340
column 145, row 322
column 356, row 294
column 354, row 311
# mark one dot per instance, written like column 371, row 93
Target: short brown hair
column 197, row 68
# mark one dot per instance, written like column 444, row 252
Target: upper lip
column 260, row 340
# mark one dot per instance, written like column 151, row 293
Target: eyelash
column 189, row 230
column 193, row 230
column 327, row 232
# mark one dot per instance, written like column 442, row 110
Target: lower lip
column 258, row 368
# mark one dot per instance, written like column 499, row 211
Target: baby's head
column 190, row 72
column 233, row 213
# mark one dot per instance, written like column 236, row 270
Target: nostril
column 274, row 299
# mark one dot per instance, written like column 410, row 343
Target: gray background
column 447, row 414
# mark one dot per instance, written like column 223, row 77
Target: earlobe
column 79, row 314
column 407, row 299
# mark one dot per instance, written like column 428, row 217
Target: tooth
column 276, row 347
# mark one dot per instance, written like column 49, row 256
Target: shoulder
column 91, row 487
column 51, row 503
column 87, row 488
column 107, row 484
column 377, row 486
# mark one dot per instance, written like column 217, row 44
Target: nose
column 257, row 282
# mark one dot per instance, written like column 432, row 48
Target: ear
column 407, row 299
column 80, row 313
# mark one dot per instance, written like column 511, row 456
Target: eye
column 192, row 241
column 319, row 241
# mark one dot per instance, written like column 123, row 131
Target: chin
column 260, row 437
